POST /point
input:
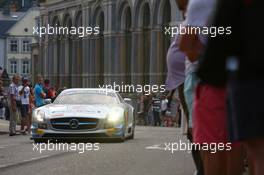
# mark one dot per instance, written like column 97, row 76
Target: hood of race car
column 91, row 111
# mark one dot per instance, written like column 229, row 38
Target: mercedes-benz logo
column 74, row 123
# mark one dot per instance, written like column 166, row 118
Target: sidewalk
column 4, row 127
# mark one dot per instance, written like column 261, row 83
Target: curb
column 4, row 127
column 3, row 132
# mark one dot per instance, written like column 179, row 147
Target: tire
column 133, row 133
column 131, row 137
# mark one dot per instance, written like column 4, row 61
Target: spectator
column 46, row 87
column 241, row 54
column 52, row 93
column 164, row 105
column 142, row 110
column 145, row 107
column 24, row 92
column 150, row 113
column 209, row 124
column 12, row 101
column 181, row 76
column 31, row 103
column 49, row 90
column 39, row 92
column 175, row 104
column 156, row 110
column 2, row 101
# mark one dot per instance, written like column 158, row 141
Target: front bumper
column 49, row 133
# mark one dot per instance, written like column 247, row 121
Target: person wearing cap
column 24, row 92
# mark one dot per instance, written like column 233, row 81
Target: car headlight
column 115, row 115
column 39, row 116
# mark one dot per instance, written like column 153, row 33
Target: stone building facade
column 131, row 47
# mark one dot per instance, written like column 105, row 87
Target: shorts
column 163, row 112
column 24, row 110
column 210, row 115
column 245, row 109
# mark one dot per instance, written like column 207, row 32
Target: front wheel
column 132, row 135
column 133, row 132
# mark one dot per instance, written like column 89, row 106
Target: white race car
column 84, row 114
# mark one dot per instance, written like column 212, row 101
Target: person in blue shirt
column 39, row 92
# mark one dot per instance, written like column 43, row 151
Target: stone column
column 44, row 71
column 50, row 59
column 109, row 41
column 66, row 76
column 92, row 63
column 76, row 65
column 155, row 50
column 119, row 58
column 61, row 62
column 44, row 49
column 136, row 65
column 73, row 63
column 158, row 56
column 55, row 60
column 87, row 65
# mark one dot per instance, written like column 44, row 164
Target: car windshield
column 86, row 98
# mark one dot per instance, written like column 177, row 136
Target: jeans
column 157, row 121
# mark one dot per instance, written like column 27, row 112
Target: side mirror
column 47, row 101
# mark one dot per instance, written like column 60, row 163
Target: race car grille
column 74, row 123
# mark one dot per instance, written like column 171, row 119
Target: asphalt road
column 145, row 155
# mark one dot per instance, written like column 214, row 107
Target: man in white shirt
column 24, row 92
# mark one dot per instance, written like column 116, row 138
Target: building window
column 13, row 45
column 25, row 67
column 13, row 66
column 26, row 46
